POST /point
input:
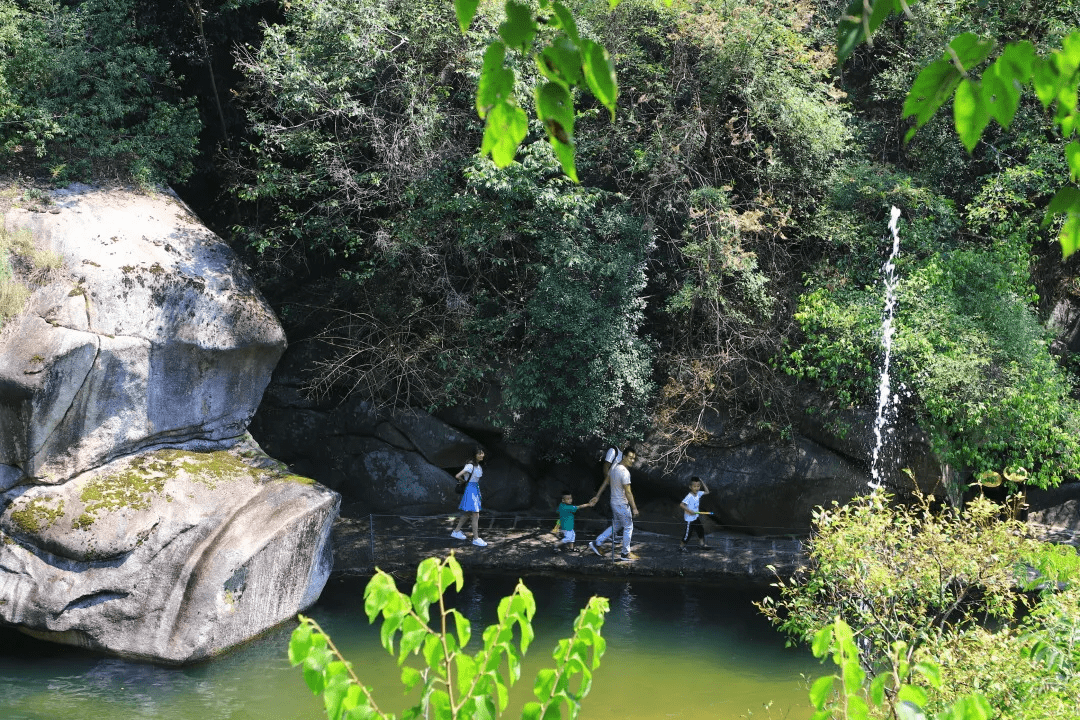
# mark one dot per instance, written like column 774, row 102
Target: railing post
column 371, row 532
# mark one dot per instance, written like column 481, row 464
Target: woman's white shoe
column 479, row 542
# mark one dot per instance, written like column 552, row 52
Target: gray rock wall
column 136, row 514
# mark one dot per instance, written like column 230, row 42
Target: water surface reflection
column 674, row 651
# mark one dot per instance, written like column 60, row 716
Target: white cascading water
column 887, row 401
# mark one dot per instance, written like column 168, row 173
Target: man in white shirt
column 623, row 507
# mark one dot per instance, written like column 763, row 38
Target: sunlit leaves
column 566, row 61
column 1054, row 78
column 860, row 20
column 1005, row 79
column 600, row 74
column 465, row 10
column 971, row 113
column 519, row 28
column 456, row 683
column 938, row 80
column 556, row 110
column 1066, row 202
column 506, row 124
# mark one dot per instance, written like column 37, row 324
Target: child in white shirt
column 691, row 505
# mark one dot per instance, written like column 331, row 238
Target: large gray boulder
column 170, row 556
column 136, row 514
column 154, row 335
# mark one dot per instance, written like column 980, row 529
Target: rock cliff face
column 402, row 463
column 136, row 514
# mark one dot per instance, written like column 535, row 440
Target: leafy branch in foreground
column 1054, row 77
column 455, row 683
column 891, row 691
column 936, row 603
column 566, row 61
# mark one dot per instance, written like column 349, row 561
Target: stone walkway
column 522, row 544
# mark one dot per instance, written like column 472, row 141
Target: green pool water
column 674, row 651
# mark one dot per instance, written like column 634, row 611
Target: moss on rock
column 37, row 514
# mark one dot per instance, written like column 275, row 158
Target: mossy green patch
column 37, row 514
column 133, row 487
column 210, row 468
column 299, row 479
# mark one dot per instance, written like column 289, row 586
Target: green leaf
column 505, row 128
column 556, row 111
column 412, row 635
column 1070, row 235
column 822, row 641
column 455, row 569
column 907, row 711
column 1047, row 80
column 970, row 113
column 1070, row 53
column 970, row 49
column 939, row 79
column 440, row 705
column 853, row 674
column 299, row 644
column 857, row 708
column 877, row 689
column 977, row 707
column 600, row 74
column 858, row 23
column 931, row 89
column 463, row 627
column 545, row 684
column 1003, row 81
column 409, row 677
column 1067, row 200
column 334, row 694
column 313, row 676
column 561, row 61
column 566, row 20
column 912, row 694
column 386, row 633
column 931, row 671
column 519, row 28
column 465, row 9
column 496, row 82
column 466, row 671
column 820, row 690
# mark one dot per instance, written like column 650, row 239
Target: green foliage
column 892, row 692
column 969, row 351
column 918, row 607
column 346, row 114
column 564, row 58
column 551, row 275
column 23, row 268
column 454, row 683
column 83, row 95
column 1053, row 76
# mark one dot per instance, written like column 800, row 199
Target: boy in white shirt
column 691, row 505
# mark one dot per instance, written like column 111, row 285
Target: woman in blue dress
column 470, row 500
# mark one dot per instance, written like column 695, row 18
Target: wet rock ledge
column 523, row 544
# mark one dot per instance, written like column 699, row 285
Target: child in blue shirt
column 567, row 510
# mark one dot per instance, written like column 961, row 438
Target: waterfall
column 887, row 401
